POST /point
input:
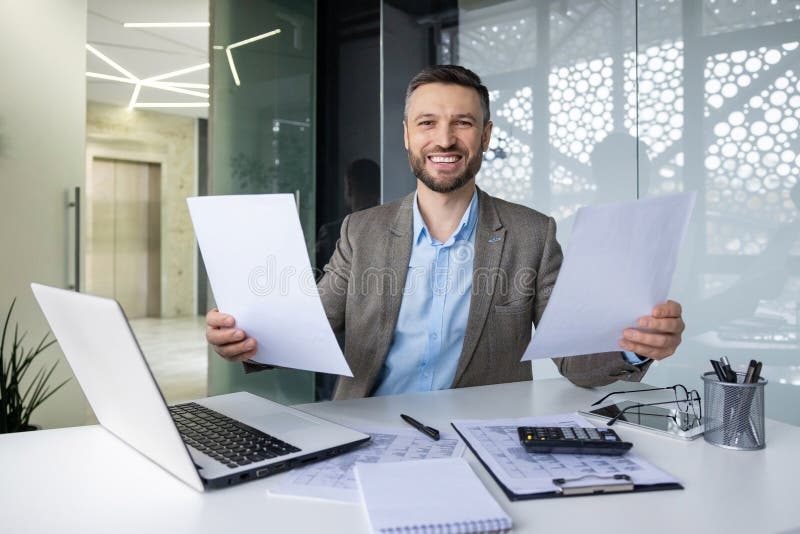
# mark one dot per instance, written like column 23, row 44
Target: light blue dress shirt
column 433, row 313
column 634, row 358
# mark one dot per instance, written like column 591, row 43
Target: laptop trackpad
column 280, row 423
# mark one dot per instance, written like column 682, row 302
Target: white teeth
column 444, row 159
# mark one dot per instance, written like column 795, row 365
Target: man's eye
column 464, row 123
column 426, row 123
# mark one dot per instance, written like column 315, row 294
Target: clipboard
column 574, row 487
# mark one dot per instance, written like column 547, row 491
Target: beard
column 447, row 185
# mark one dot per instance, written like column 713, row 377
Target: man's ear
column 487, row 136
column 405, row 133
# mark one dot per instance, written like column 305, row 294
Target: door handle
column 76, row 204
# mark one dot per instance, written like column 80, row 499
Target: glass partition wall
column 602, row 101
column 262, row 136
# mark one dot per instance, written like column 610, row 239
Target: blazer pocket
column 510, row 332
column 517, row 306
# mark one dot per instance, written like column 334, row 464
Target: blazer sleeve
column 588, row 370
column 332, row 288
column 334, row 284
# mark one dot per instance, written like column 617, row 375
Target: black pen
column 718, row 370
column 427, row 430
column 730, row 374
column 757, row 373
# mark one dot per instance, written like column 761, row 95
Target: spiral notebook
column 442, row 495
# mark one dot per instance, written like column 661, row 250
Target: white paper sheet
column 497, row 444
column 618, row 266
column 255, row 254
column 334, row 479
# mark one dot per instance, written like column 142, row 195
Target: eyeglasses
column 688, row 404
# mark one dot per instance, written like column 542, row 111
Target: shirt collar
column 463, row 231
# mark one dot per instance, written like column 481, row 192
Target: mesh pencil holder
column 733, row 414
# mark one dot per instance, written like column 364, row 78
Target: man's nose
column 445, row 136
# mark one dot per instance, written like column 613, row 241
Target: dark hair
column 452, row 74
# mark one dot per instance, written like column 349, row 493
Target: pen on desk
column 427, row 430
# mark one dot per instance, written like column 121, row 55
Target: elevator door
column 123, row 241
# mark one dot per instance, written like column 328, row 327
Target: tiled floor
column 176, row 351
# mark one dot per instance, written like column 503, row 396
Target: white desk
column 85, row 480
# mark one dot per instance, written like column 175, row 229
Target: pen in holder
column 734, row 413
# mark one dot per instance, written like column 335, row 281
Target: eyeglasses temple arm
column 633, row 391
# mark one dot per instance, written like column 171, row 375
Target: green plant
column 18, row 402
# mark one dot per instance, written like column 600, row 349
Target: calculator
column 572, row 440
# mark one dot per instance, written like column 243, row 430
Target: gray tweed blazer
column 516, row 263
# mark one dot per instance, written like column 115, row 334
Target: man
column 439, row 289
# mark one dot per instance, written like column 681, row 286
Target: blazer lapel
column 489, row 242
column 393, row 282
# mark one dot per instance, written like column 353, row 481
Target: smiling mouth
column 445, row 159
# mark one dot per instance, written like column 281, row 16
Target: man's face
column 444, row 135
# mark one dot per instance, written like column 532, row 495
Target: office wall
column 42, row 135
column 170, row 140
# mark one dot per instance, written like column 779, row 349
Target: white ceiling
column 147, row 52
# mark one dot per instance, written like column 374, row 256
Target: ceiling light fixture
column 173, row 87
column 134, row 96
column 171, row 105
column 107, row 60
column 153, row 81
column 237, row 44
column 233, row 67
column 166, row 24
column 189, row 85
column 176, row 73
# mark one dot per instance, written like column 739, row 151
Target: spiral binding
column 465, row 527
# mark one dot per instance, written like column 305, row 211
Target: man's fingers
column 237, row 352
column 668, row 309
column 666, row 327
column 657, row 340
column 652, row 345
column 224, row 336
column 669, row 325
column 244, row 356
column 218, row 319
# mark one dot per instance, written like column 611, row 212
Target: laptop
column 207, row 443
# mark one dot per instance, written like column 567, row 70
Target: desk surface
column 85, row 480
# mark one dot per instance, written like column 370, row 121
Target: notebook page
column 428, row 495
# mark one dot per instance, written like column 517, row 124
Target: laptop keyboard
column 226, row 440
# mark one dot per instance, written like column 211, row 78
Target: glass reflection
column 599, row 101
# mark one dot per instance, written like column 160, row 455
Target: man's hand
column 229, row 342
column 658, row 335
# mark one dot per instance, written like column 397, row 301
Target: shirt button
column 434, row 337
